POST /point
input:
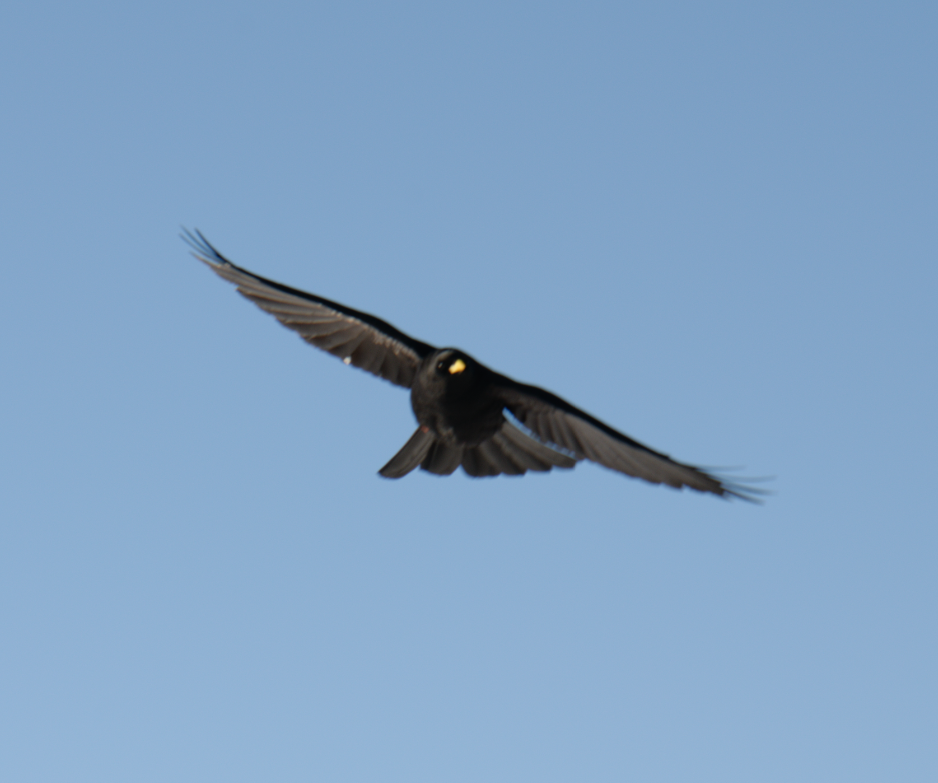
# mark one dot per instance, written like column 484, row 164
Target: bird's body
column 461, row 412
column 460, row 404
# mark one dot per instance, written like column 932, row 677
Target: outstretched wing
column 357, row 338
column 557, row 422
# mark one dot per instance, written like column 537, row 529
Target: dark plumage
column 459, row 403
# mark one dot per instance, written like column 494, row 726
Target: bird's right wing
column 357, row 338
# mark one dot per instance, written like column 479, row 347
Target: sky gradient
column 712, row 227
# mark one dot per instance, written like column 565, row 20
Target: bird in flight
column 460, row 404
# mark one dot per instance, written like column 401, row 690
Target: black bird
column 459, row 403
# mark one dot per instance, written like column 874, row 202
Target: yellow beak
column 458, row 366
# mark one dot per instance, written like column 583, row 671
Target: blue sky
column 712, row 226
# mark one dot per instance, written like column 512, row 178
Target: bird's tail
column 508, row 451
column 512, row 452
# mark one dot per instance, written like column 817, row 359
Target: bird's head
column 454, row 366
column 449, row 373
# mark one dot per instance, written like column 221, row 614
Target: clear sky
column 711, row 225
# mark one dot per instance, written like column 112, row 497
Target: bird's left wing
column 357, row 338
column 557, row 422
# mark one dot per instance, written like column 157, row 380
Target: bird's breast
column 465, row 418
